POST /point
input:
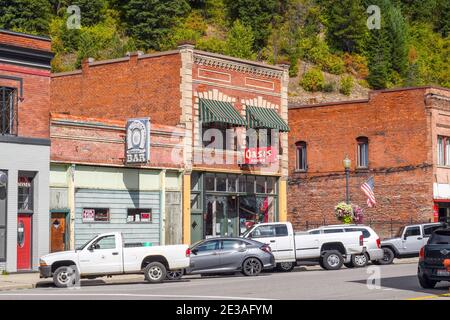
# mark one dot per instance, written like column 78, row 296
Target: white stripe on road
column 130, row 295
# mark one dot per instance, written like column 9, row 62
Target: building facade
column 398, row 137
column 24, row 150
column 234, row 115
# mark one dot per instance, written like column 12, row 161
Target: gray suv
column 408, row 241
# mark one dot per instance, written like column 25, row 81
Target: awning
column 265, row 118
column 220, row 111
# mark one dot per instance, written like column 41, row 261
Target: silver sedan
column 228, row 255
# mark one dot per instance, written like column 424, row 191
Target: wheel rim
column 285, row 265
column 64, row 277
column 333, row 260
column 360, row 260
column 252, row 266
column 155, row 273
column 174, row 274
column 387, row 255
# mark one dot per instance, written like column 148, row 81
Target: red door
column 24, row 242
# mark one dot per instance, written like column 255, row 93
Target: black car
column 431, row 259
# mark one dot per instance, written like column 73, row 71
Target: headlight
column 42, row 263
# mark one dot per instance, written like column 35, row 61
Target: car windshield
column 246, row 232
column 399, row 232
column 440, row 237
column 87, row 242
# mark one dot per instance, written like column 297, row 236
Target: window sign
column 95, row 215
column 138, row 141
column 139, row 215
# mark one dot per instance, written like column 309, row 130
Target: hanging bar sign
column 138, row 141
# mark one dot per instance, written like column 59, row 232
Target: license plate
column 443, row 273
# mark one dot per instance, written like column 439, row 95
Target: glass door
column 221, row 216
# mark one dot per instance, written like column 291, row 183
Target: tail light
column 378, row 243
column 188, row 252
column 422, row 254
column 266, row 248
column 361, row 240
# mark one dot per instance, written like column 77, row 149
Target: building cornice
column 253, row 68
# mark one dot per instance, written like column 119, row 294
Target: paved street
column 397, row 282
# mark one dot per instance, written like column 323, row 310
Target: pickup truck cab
column 107, row 254
column 288, row 248
column 408, row 242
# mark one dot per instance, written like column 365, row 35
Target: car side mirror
column 405, row 237
column 93, row 247
column 194, row 251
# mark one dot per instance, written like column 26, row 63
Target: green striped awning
column 220, row 111
column 265, row 118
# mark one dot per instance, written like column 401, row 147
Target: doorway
column 24, row 237
column 58, row 232
column 221, row 216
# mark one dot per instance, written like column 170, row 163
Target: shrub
column 346, row 85
column 356, row 65
column 329, row 87
column 313, row 80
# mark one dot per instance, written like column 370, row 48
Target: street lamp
column 347, row 163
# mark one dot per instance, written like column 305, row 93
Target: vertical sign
column 138, row 141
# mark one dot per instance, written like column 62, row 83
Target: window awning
column 265, row 118
column 220, row 111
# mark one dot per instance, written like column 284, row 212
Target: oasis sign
column 259, row 155
column 138, row 141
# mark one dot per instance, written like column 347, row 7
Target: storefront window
column 25, row 194
column 250, row 184
column 209, row 182
column 232, row 180
column 271, row 184
column 221, row 182
column 260, row 185
column 95, row 215
column 139, row 215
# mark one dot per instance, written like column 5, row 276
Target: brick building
column 394, row 136
column 24, row 149
column 233, row 114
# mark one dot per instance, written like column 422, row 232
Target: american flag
column 367, row 188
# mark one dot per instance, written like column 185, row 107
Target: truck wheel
column 252, row 267
column 174, row 275
column 426, row 283
column 285, row 266
column 388, row 257
column 155, row 272
column 332, row 260
column 65, row 277
column 360, row 260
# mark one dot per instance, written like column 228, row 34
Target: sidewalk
column 32, row 280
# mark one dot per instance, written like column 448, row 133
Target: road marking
column 431, row 297
column 133, row 295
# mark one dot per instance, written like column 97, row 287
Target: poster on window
column 88, row 215
column 259, row 155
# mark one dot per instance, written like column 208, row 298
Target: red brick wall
column 396, row 123
column 144, row 87
column 92, row 144
column 34, row 108
column 24, row 41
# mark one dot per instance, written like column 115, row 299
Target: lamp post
column 347, row 163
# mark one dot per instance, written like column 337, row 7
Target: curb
column 17, row 287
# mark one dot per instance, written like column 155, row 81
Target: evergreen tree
column 379, row 59
column 240, row 41
column 31, row 16
column 346, row 24
column 92, row 11
column 397, row 30
column 256, row 14
column 150, row 21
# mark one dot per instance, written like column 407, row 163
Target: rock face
column 298, row 95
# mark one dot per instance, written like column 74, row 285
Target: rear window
column 365, row 232
column 428, row 230
column 440, row 237
column 333, row 230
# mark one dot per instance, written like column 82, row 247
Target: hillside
column 333, row 53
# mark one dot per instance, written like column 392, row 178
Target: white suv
column 372, row 243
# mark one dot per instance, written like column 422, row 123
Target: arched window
column 363, row 152
column 301, row 163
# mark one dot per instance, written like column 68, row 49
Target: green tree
column 92, row 11
column 31, row 16
column 346, row 24
column 150, row 21
column 254, row 13
column 240, row 41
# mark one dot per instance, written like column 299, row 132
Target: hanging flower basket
column 348, row 213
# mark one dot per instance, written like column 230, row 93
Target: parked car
column 408, row 241
column 431, row 267
column 372, row 243
column 107, row 255
column 331, row 251
column 229, row 255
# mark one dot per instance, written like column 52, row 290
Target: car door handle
column 272, row 241
column 215, row 253
column 115, row 253
column 419, row 238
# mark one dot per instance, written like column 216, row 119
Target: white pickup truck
column 107, row 255
column 331, row 251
